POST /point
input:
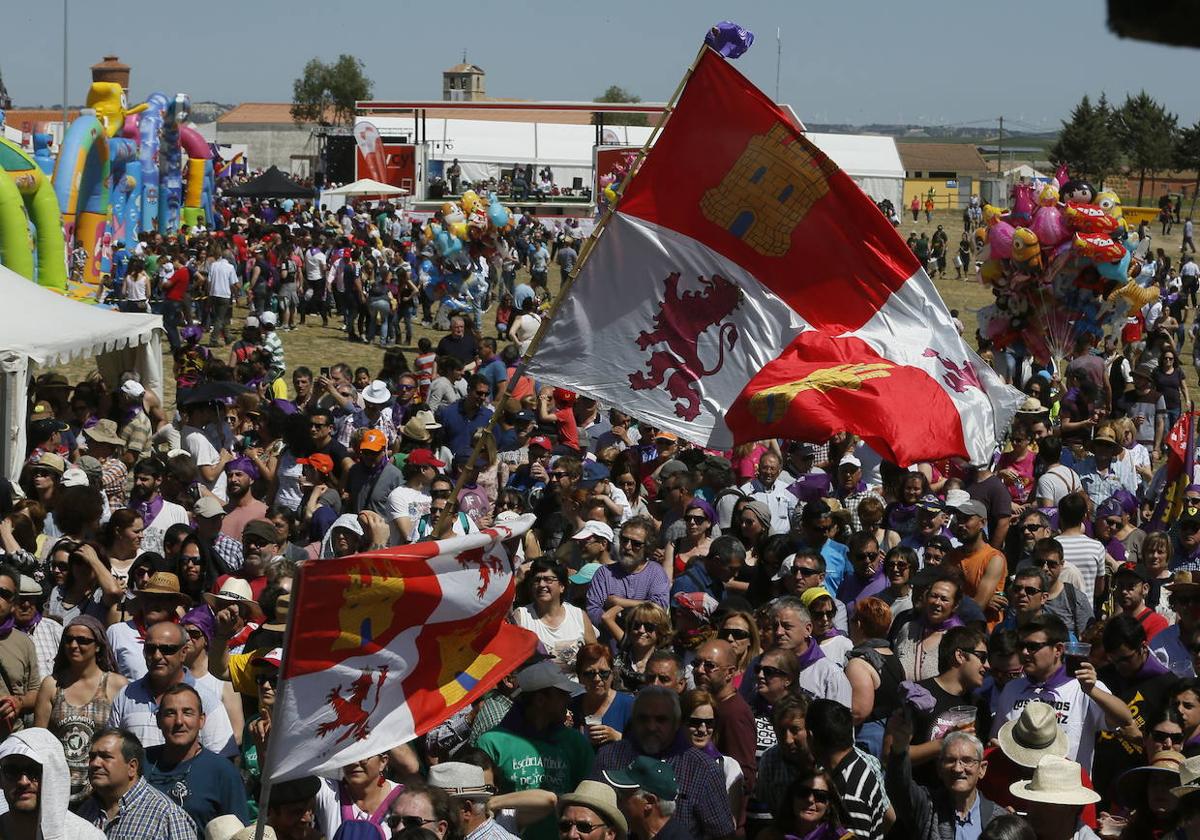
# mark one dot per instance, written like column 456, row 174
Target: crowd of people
column 783, row 640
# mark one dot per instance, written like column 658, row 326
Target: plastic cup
column 1077, row 653
column 952, row 720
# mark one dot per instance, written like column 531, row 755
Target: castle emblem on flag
column 369, row 606
column 351, row 711
column 771, row 405
column 769, row 191
column 681, row 320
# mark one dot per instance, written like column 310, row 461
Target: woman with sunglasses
column 88, row 587
column 870, row 517
column 562, row 628
column 901, row 515
column 740, row 630
column 775, row 679
column 700, row 726
column 698, row 520
column 646, row 629
column 513, row 501
column 899, row 565
column 601, row 712
column 201, row 625
column 197, row 569
column 823, row 609
column 75, row 700
column 812, row 809
column 625, row 474
column 1163, row 731
column 874, row 673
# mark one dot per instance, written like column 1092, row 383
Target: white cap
column 251, row 321
column 785, row 568
column 850, row 459
column 133, row 389
column 74, row 477
column 956, row 498
column 592, row 528
column 269, row 319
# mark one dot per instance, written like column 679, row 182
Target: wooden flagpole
column 444, row 522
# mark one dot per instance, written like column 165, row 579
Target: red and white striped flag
column 746, row 288
column 386, row 645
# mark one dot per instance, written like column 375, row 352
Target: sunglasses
column 82, row 641
column 701, row 723
column 820, row 796
column 1164, row 737
column 1113, row 523
column 866, row 555
column 697, row 518
column 807, row 571
column 895, row 565
column 1049, row 564
column 1027, row 590
column 406, row 387
column 659, row 679
column 644, row 626
column 632, row 543
column 267, row 679
column 558, row 474
column 825, row 615
column 1031, row 647
column 592, row 675
column 30, row 770
column 7, row 594
column 981, row 655
column 730, row 634
column 165, row 650
column 771, row 673
column 1030, row 527
column 60, row 567
column 582, row 826
column 395, row 821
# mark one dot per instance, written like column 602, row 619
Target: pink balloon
column 1000, row 238
column 1050, row 226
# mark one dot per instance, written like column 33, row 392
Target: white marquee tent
column 44, row 328
column 484, row 147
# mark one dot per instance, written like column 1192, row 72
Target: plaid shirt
column 851, row 502
column 230, row 552
column 113, row 473
column 142, row 814
column 492, row 710
column 703, row 803
column 490, row 830
column 46, row 637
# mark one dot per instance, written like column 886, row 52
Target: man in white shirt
column 156, row 512
column 1084, row 705
column 222, row 286
column 1081, row 551
column 773, row 493
column 209, row 462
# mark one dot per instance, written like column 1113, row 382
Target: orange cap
column 373, row 440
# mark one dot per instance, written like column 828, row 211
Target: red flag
column 745, row 283
column 388, row 644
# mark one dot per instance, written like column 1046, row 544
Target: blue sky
column 846, row 61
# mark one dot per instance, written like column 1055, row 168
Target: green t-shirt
column 558, row 764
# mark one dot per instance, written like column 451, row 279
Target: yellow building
column 949, row 170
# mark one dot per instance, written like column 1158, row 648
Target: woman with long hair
column 812, row 809
column 765, row 577
column 1015, row 467
column 88, row 587
column 871, row 520
column 1133, row 464
column 901, row 516
column 626, row 474
column 197, row 567
column 1171, row 382
column 122, row 539
column 562, row 628
column 739, row 629
column 775, row 679
column 698, row 521
column 899, row 565
column 699, row 724
column 75, row 700
column 601, row 713
column 1156, row 554
column 646, row 628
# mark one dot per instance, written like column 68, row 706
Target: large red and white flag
column 746, row 288
column 388, row 644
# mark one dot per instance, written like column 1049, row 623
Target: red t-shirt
column 1152, row 622
column 568, row 430
column 179, row 283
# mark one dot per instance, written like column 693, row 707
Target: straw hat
column 163, row 583
column 1189, row 775
column 416, row 430
column 105, row 431
column 234, row 592
column 1131, row 785
column 1033, row 734
column 1056, row 781
column 600, row 798
column 1105, row 437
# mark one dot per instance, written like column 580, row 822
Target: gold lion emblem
column 771, row 405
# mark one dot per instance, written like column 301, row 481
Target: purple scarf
column 811, row 655
column 149, row 510
column 1055, row 681
column 831, row 633
column 37, row 619
column 926, row 629
column 1151, row 668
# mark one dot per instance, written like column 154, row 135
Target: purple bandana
column 149, row 510
column 35, row 621
column 1056, row 680
column 811, row 655
column 243, row 464
column 952, row 621
column 1151, row 668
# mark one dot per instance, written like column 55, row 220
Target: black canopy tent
column 271, row 184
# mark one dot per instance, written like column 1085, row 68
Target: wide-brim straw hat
column 1131, row 785
column 1056, row 781
column 1033, row 734
column 600, row 798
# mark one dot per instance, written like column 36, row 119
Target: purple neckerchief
column 926, row 629
column 918, row 696
column 1151, row 668
column 1116, row 548
column 811, row 655
column 148, row 511
column 37, row 619
column 831, row 633
column 130, row 413
column 711, row 751
column 861, row 487
column 7, row 627
column 91, row 421
column 1055, row 681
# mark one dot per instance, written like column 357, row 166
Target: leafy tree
column 616, row 93
column 1087, row 143
column 1147, row 132
column 335, row 87
column 1187, row 155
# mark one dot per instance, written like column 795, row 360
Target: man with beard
column 983, row 567
column 36, row 785
column 1131, row 583
column 703, row 805
column 147, row 502
column 260, row 545
column 633, row 579
column 712, row 670
column 241, row 473
column 814, row 531
column 216, row 788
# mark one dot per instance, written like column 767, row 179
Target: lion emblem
column 681, row 320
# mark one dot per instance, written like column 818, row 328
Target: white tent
column 44, row 328
column 366, row 186
column 871, row 161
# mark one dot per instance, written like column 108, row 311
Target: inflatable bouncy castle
column 27, row 199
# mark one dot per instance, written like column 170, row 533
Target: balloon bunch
column 469, row 227
column 1059, row 264
column 611, row 181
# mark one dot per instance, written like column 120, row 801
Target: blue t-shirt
column 617, row 715
column 207, row 786
column 458, row 428
column 494, row 372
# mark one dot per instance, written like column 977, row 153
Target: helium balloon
column 1048, row 195
column 1089, row 218
column 1117, row 271
column 1000, row 239
column 1049, row 226
column 1026, row 250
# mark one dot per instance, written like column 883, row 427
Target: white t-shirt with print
column 1080, row 716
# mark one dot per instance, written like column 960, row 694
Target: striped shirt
column 1086, row 555
column 862, row 795
column 274, row 344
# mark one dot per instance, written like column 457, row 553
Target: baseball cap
column 542, row 441
column 972, row 507
column 270, row 319
column 1109, row 507
column 931, row 503
column 1135, row 569
column 524, row 417
column 667, row 436
column 851, row 460
column 272, row 658
column 373, row 440
column 251, row 321
column 649, row 774
column 74, row 477
column 592, row 528
column 1191, row 513
column 585, row 573
column 546, row 674
column 424, row 458
column 670, row 468
column 593, row 473
column 207, row 507
column 319, row 461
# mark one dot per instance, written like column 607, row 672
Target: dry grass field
column 315, row 346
